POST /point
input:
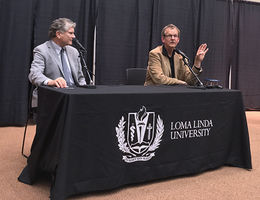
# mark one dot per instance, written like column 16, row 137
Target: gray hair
column 171, row 26
column 62, row 25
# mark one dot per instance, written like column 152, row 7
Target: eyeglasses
column 170, row 36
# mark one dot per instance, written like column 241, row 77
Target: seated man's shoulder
column 42, row 48
column 157, row 49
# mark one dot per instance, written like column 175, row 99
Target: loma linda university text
column 190, row 129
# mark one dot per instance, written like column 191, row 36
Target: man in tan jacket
column 165, row 66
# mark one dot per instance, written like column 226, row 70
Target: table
column 103, row 138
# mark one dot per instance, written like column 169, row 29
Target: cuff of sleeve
column 199, row 69
column 46, row 81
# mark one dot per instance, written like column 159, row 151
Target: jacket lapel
column 167, row 66
column 55, row 56
column 166, row 63
column 177, row 65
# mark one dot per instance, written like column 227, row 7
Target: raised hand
column 201, row 52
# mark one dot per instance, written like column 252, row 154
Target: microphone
column 186, row 62
column 77, row 44
column 183, row 54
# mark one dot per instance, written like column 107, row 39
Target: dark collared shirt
column 171, row 59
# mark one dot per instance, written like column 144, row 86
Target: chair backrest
column 135, row 76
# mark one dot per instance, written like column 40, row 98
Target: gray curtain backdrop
column 246, row 53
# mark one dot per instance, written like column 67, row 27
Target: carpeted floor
column 225, row 183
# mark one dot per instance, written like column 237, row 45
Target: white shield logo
column 142, row 137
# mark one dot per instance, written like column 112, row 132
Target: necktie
column 65, row 68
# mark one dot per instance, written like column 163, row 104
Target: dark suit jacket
column 159, row 69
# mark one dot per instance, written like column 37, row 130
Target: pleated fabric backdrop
column 125, row 32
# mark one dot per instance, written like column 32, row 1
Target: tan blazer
column 159, row 69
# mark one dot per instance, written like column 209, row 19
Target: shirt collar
column 165, row 53
column 57, row 48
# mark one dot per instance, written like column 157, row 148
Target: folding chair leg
column 24, row 135
column 28, row 116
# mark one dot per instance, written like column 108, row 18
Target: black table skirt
column 103, row 138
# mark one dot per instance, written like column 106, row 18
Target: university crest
column 142, row 137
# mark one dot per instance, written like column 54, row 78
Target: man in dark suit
column 55, row 62
column 165, row 66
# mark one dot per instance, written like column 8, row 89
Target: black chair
column 135, row 76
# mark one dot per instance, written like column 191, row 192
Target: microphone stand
column 91, row 83
column 200, row 85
